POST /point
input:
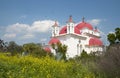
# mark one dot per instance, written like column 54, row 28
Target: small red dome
column 64, row 30
column 47, row 49
column 95, row 41
column 54, row 41
column 84, row 25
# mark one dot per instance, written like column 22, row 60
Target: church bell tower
column 55, row 29
column 70, row 26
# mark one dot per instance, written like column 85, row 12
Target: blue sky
column 25, row 21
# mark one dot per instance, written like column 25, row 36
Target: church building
column 76, row 37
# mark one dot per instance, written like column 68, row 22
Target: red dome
column 77, row 31
column 47, row 49
column 64, row 30
column 84, row 25
column 54, row 41
column 95, row 41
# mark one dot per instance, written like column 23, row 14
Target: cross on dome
column 95, row 28
column 83, row 19
column 70, row 19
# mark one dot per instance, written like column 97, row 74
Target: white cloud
column 43, row 39
column 23, row 16
column 41, row 26
column 104, row 37
column 17, row 28
column 28, row 35
column 94, row 22
column 37, row 26
column 111, row 32
column 13, row 35
column 24, row 31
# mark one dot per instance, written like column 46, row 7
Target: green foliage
column 31, row 67
column 3, row 46
column 117, row 32
column 111, row 38
column 61, row 49
column 114, row 37
column 85, row 58
column 14, row 48
column 84, row 54
column 34, row 49
column 29, row 47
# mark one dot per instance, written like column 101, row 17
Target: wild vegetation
column 45, row 67
column 37, row 63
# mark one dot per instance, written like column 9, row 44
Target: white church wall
column 71, row 42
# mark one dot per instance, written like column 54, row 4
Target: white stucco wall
column 71, row 45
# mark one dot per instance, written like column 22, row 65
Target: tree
column 29, row 47
column 14, row 48
column 84, row 54
column 3, row 46
column 111, row 38
column 61, row 49
column 34, row 49
column 114, row 38
column 117, row 32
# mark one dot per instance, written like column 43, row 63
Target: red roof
column 64, row 30
column 47, row 49
column 84, row 25
column 54, row 41
column 95, row 41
